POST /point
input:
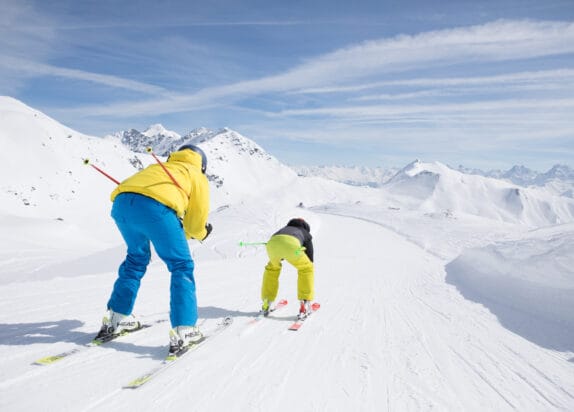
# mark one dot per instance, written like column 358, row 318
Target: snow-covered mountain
column 158, row 130
column 519, row 175
column 559, row 180
column 155, row 136
column 435, row 188
column 238, row 165
column 43, row 164
column 234, row 160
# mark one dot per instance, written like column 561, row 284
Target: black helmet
column 299, row 222
column 196, row 149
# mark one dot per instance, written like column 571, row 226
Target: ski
column 280, row 305
column 295, row 326
column 49, row 360
column 171, row 360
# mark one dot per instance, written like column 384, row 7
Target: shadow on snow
column 66, row 330
column 541, row 329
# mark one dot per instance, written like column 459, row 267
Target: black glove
column 209, row 228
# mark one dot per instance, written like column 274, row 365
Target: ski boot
column 181, row 338
column 115, row 324
column 266, row 307
column 304, row 309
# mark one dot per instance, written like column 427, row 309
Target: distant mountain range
column 558, row 176
column 559, row 179
column 524, row 176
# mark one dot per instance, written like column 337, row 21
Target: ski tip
column 315, row 305
column 47, row 360
column 282, row 302
column 295, row 326
column 136, row 383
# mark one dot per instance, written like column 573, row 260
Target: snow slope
column 423, row 308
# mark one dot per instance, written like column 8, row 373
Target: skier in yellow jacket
column 294, row 244
column 164, row 204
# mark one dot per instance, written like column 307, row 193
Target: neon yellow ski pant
column 285, row 247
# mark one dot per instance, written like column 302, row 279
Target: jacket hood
column 186, row 156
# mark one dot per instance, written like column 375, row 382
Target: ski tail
column 173, row 360
column 48, row 360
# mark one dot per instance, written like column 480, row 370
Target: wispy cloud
column 554, row 76
column 24, row 33
column 31, row 68
column 497, row 41
column 471, row 109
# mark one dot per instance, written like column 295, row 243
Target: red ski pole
column 87, row 162
column 150, row 151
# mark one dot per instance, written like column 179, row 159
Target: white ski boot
column 114, row 324
column 182, row 337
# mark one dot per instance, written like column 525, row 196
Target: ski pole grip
column 87, row 163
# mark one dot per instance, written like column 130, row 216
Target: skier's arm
column 309, row 248
column 195, row 219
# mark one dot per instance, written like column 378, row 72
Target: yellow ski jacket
column 191, row 202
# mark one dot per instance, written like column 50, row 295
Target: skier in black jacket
column 294, row 244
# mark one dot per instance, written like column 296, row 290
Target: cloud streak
column 491, row 42
column 31, row 68
column 497, row 41
column 561, row 76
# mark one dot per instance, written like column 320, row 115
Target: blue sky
column 486, row 84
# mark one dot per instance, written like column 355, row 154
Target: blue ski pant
column 142, row 220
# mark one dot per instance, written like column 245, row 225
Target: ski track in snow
column 391, row 334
